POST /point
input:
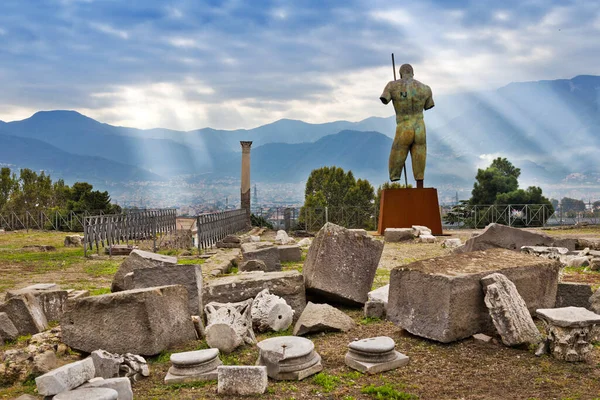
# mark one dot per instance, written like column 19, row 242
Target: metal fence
column 44, row 220
column 215, row 226
column 108, row 230
column 516, row 215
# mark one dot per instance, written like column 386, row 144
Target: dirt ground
column 466, row 369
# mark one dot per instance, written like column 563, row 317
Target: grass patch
column 104, row 268
column 326, row 381
column 387, row 391
column 191, row 261
column 382, row 278
column 369, row 320
column 99, row 291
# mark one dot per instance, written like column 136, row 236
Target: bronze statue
column 410, row 97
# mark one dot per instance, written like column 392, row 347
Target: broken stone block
column 574, row 295
column 236, row 288
column 482, row 337
column 8, row 331
column 509, row 311
column 322, row 318
column 290, row 253
column 393, row 235
column 242, row 380
column 426, row 238
column 26, row 314
column 134, row 367
column 441, row 298
column 419, row 230
column 121, row 385
column 53, row 301
column 374, row 355
column 595, row 302
column 304, row 242
column 595, row 264
column 289, row 358
column 451, row 243
column 188, row 276
column 74, row 241
column 139, row 321
column 139, row 259
column 506, row 237
column 341, row 265
column 380, row 294
column 193, row 366
column 253, row 265
column 374, row 309
column 229, row 325
column 578, row 262
column 65, row 378
column 44, row 362
column 77, row 294
column 571, row 331
column 555, row 253
column 89, row 394
column 230, row 242
column 266, row 253
column 106, row 364
column 283, row 238
column 270, row 312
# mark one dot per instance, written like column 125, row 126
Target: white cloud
column 105, row 28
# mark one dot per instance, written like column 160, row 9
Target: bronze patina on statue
column 410, row 97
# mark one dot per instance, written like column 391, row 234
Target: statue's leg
column 400, row 148
column 418, row 152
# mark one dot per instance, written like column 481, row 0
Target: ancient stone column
column 245, row 189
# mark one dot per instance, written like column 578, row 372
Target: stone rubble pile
column 193, row 366
column 374, row 355
column 289, row 358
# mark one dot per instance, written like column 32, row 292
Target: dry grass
column 462, row 370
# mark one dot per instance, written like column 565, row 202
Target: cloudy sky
column 188, row 64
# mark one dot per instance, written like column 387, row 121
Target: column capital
column 246, row 146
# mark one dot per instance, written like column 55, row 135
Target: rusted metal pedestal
column 403, row 208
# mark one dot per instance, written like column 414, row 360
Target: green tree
column 349, row 202
column 8, row 182
column 500, row 177
column 568, row 204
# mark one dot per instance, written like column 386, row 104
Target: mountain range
column 550, row 129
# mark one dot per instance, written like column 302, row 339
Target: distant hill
column 550, row 129
column 35, row 154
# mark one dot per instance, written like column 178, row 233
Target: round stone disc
column 379, row 344
column 288, row 346
column 194, row 357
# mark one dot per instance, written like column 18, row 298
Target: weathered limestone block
column 426, row 238
column 595, row 302
column 509, row 311
column 393, row 235
column 452, row 243
column 188, row 276
column 289, row 358
column 106, row 364
column 577, row 262
column 139, row 321
column 306, row 242
column 89, row 394
column 193, row 366
column 506, row 237
column 121, row 385
column 229, row 325
column 52, row 300
column 341, row 265
column 374, row 309
column 555, row 253
column 419, row 230
column 441, row 298
column 134, row 367
column 253, row 265
column 358, row 231
column 74, row 241
column 374, row 355
column 595, row 264
column 290, row 253
column 266, row 253
column 65, row 378
column 380, row 294
column 322, row 318
column 26, row 314
column 8, row 331
column 139, row 259
column 271, row 312
column 283, row 238
column 574, row 295
column 242, row 380
column 571, row 331
column 236, row 288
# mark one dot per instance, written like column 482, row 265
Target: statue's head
column 406, row 71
